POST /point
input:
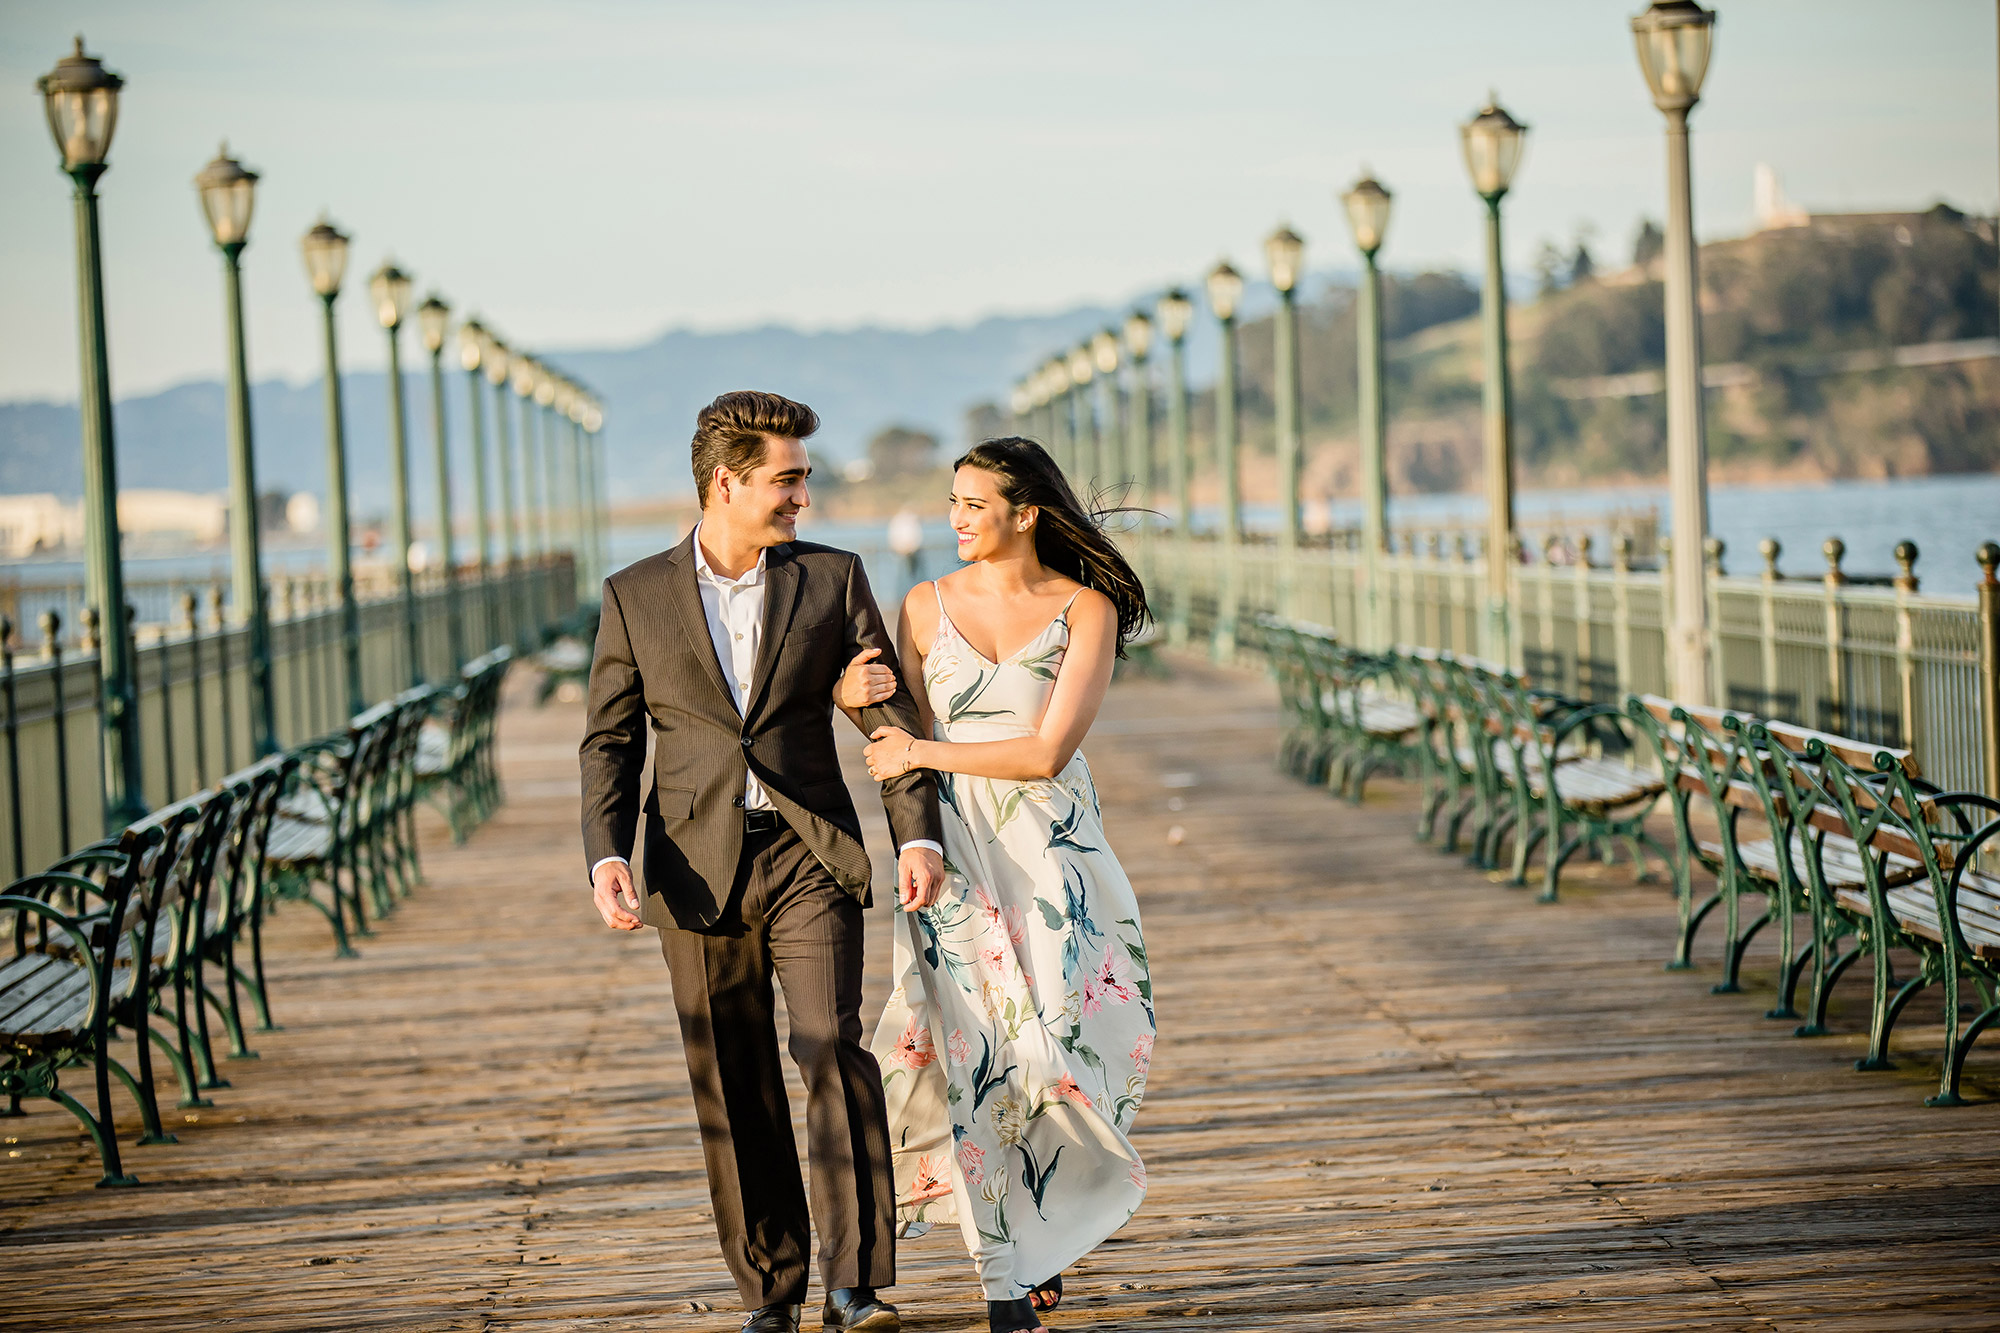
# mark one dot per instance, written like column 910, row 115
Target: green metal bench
column 56, row 994
column 453, row 763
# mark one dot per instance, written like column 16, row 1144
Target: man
column 728, row 648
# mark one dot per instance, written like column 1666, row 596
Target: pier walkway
column 1387, row 1092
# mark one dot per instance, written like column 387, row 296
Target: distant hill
column 859, row 380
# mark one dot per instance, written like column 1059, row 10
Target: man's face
column 764, row 505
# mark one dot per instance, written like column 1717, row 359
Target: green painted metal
column 1229, row 475
column 482, row 529
column 446, row 557
column 1374, row 444
column 1180, row 477
column 399, row 516
column 1498, row 400
column 104, row 575
column 339, row 533
column 510, row 532
column 1291, row 448
column 246, row 558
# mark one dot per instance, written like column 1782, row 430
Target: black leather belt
column 761, row 821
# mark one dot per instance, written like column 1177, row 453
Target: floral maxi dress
column 1015, row 1046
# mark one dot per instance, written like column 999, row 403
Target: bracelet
column 907, row 750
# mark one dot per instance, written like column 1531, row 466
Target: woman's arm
column 1079, row 693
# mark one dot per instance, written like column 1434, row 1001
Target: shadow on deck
column 1385, row 1088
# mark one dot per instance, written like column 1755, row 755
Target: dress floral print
column 1015, row 1045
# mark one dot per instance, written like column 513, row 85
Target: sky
column 592, row 172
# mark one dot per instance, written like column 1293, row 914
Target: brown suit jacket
column 655, row 665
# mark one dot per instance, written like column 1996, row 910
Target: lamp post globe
column 1493, row 141
column 1175, row 313
column 1284, row 252
column 1367, row 204
column 1225, row 288
column 389, row 287
column 1674, row 39
column 80, row 98
column 228, row 194
column 433, row 322
column 325, row 248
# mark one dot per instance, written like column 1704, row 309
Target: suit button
column 738, row 803
column 746, row 742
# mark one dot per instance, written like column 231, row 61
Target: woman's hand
column 888, row 753
column 865, row 681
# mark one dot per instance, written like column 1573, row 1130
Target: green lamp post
column 593, row 429
column 390, row 288
column 325, row 249
column 1225, row 288
column 1054, row 376
column 498, row 364
column 433, row 321
column 1104, row 360
column 1284, row 252
column 1493, row 141
column 1138, row 334
column 1083, row 424
column 553, row 523
column 228, row 196
column 472, row 343
column 531, row 506
column 1367, row 205
column 1175, row 312
column 80, row 98
column 1674, row 38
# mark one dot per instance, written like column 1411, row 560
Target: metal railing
column 193, row 677
column 1884, row 664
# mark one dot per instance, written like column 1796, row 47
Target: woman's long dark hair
column 1069, row 536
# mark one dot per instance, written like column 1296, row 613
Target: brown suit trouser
column 786, row 915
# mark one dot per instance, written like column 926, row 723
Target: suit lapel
column 686, row 599
column 781, row 593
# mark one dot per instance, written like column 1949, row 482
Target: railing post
column 1906, row 641
column 1989, row 663
column 1621, row 610
column 1767, row 622
column 1711, row 640
column 1836, row 638
column 12, row 722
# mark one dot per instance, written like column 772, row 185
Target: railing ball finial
column 189, row 603
column 1621, row 552
column 1770, row 548
column 1906, row 560
column 1835, row 550
column 51, row 625
column 1712, row 549
column 1583, row 545
column 215, row 606
column 1549, row 544
column 1988, row 557
column 88, row 643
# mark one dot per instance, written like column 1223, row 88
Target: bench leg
column 1954, row 1062
column 149, row 1105
column 1732, row 968
column 1823, row 981
column 1552, row 870
column 1788, row 990
column 183, row 1071
column 101, row 1134
column 1887, row 1009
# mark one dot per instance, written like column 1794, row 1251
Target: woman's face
column 988, row 528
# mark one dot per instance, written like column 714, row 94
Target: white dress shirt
column 734, row 609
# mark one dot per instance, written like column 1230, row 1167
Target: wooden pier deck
column 1387, row 1092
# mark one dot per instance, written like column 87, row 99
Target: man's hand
column 612, row 891
column 865, row 681
column 919, row 878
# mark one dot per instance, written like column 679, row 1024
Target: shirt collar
column 753, row 577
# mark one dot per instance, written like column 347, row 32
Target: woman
column 1016, row 1043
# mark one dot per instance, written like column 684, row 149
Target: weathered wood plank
column 1386, row 1088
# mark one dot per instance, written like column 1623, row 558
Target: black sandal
column 1015, row 1316
column 1048, row 1295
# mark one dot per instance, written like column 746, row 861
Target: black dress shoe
column 859, row 1310
column 774, row 1319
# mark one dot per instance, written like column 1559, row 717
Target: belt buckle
column 760, row 821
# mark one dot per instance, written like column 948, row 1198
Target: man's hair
column 731, row 432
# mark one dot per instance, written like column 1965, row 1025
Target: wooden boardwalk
column 1387, row 1092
